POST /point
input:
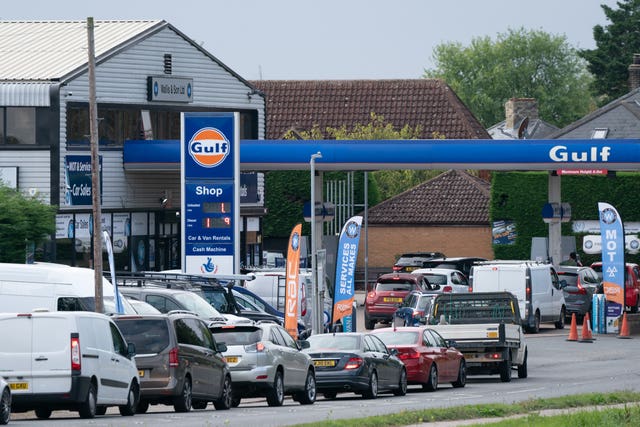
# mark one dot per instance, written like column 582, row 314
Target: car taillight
column 371, row 294
column 76, row 357
column 173, row 357
column 354, row 363
column 409, row 354
column 528, row 291
column 254, row 348
column 581, row 290
column 470, row 289
column 447, row 288
column 397, row 268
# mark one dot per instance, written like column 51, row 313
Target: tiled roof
column 452, row 198
column 430, row 103
column 50, row 50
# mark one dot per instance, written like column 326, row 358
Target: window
column 18, row 125
column 600, row 133
column 286, row 338
column 119, row 344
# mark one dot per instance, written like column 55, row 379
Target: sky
column 333, row 39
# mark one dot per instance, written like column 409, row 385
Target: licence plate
column 232, row 359
column 19, row 386
column 324, row 363
column 409, row 269
column 391, row 299
column 141, row 373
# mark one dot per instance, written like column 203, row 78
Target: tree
column 616, row 43
column 22, row 220
column 518, row 64
column 287, row 191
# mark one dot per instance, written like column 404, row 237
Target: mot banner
column 293, row 282
column 346, row 257
column 612, row 235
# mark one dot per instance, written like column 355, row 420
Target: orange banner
column 293, row 282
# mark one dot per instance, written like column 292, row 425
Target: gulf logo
column 209, row 147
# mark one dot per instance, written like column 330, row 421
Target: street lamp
column 316, row 319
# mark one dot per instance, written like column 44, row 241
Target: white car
column 448, row 280
column 5, row 402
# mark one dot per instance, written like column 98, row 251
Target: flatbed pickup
column 485, row 327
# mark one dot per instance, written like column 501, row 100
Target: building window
column 18, row 125
column 600, row 133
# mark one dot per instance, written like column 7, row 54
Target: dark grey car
column 179, row 362
column 580, row 285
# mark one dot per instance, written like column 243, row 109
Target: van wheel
column 182, row 403
column 143, row 407
column 5, row 406
column 43, row 413
column 101, row 410
column 226, row 398
column 536, row 324
column 560, row 322
column 89, row 407
column 132, row 401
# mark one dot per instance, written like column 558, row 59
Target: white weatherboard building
column 147, row 73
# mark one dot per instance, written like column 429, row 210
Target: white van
column 54, row 287
column 536, row 285
column 75, row 361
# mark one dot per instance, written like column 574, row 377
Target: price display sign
column 210, row 166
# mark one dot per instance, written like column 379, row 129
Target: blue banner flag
column 344, row 291
column 612, row 235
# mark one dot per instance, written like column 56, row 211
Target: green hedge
column 520, row 196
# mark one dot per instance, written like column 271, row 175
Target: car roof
column 435, row 270
column 405, row 276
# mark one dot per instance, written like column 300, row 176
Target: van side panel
column 15, row 352
column 52, row 355
column 502, row 278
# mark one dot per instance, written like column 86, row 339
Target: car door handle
column 115, row 359
column 41, row 359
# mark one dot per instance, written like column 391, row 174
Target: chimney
column 517, row 109
column 634, row 72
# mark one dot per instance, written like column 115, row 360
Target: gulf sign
column 209, row 147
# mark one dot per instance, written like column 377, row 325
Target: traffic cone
column 624, row 329
column 573, row 331
column 586, row 330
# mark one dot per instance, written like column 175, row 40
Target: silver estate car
column 265, row 361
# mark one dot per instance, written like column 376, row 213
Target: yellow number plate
column 324, row 363
column 141, row 373
column 232, row 359
column 390, row 299
column 19, row 386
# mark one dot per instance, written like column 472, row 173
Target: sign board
column 77, row 177
column 168, row 88
column 210, row 173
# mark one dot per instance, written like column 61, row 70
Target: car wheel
column 308, row 396
column 368, row 323
column 522, row 369
column 88, row 407
column 101, row 410
column 372, row 390
column 226, row 399
column 199, row 404
column 132, row 401
column 402, row 384
column 461, row 381
column 330, row 395
column 143, row 407
column 275, row 396
column 505, row 369
column 536, row 324
column 182, row 403
column 43, row 413
column 560, row 322
column 432, row 381
column 5, row 406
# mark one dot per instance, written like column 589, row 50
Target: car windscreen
column 237, row 336
column 398, row 337
column 394, row 285
column 436, row 279
column 150, row 336
column 334, row 342
column 89, row 304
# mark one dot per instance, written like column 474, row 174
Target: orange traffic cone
column 573, row 331
column 586, row 330
column 624, row 329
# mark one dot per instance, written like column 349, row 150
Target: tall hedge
column 520, row 196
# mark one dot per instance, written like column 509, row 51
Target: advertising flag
column 344, row 292
column 612, row 235
column 116, row 295
column 293, row 282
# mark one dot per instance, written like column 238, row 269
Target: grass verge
column 490, row 410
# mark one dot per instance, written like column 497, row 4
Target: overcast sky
column 332, row 39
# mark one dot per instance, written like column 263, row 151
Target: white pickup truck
column 486, row 328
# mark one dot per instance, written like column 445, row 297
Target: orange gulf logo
column 209, row 147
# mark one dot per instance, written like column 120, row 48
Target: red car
column 426, row 355
column 631, row 284
column 387, row 295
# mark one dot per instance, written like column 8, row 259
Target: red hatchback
column 387, row 295
column 426, row 355
column 631, row 284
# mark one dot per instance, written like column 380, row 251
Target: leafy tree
column 616, row 43
column 518, row 64
column 287, row 191
column 22, row 220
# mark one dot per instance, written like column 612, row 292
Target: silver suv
column 266, row 361
column 179, row 361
